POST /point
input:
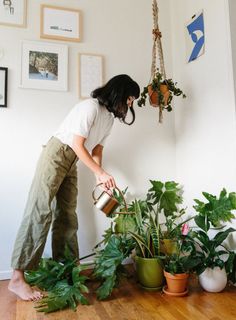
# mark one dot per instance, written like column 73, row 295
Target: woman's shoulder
column 90, row 104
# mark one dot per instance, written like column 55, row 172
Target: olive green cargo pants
column 55, row 178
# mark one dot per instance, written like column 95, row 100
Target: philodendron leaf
column 217, row 210
column 168, row 196
column 106, row 288
column 221, row 236
column 202, row 223
column 62, row 296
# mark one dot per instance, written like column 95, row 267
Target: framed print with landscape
column 60, row 23
column 90, row 73
column 3, row 87
column 13, row 13
column 44, row 66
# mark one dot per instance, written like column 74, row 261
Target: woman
column 81, row 136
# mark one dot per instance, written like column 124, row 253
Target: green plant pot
column 149, row 272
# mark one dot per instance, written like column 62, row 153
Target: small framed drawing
column 60, row 23
column 13, row 13
column 90, row 73
column 44, row 66
column 3, row 87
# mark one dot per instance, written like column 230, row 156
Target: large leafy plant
column 211, row 214
column 108, row 268
column 62, row 280
column 166, row 198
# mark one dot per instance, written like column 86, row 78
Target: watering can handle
column 120, row 192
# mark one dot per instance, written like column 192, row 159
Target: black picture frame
column 3, row 87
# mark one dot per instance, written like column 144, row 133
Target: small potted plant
column 160, row 92
column 180, row 264
column 148, row 260
column 217, row 261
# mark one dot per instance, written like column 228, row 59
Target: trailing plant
column 108, row 264
column 156, row 85
column 63, row 282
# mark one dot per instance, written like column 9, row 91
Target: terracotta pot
column 153, row 96
column 176, row 283
column 213, row 280
column 149, row 272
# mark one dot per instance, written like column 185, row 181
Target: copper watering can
column 107, row 203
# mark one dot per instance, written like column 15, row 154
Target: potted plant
column 167, row 197
column 180, row 264
column 148, row 261
column 160, row 92
column 218, row 263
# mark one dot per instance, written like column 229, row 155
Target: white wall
column 121, row 31
column 232, row 10
column 205, row 122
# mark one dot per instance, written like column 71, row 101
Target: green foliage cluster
column 211, row 214
column 156, row 83
column 63, row 281
column 108, row 264
column 143, row 232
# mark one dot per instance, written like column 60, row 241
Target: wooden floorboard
column 131, row 302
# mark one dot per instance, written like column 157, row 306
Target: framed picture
column 90, row 73
column 13, row 13
column 3, row 87
column 195, row 37
column 44, row 66
column 60, row 23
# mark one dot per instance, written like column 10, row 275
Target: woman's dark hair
column 114, row 94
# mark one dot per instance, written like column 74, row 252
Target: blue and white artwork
column 195, row 37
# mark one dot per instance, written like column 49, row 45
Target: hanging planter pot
column 213, row 280
column 177, row 284
column 154, row 95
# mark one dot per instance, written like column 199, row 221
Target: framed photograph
column 44, row 66
column 91, row 73
column 60, row 23
column 3, row 87
column 13, row 13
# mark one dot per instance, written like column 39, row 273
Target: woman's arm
column 93, row 162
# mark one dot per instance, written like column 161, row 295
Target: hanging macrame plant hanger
column 157, row 53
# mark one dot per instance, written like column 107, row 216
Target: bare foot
column 18, row 286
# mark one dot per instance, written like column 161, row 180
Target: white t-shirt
column 89, row 120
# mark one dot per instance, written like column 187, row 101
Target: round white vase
column 213, row 280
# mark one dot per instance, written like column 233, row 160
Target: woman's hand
column 107, row 180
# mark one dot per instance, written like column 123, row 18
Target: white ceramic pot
column 213, row 280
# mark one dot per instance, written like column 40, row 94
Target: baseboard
column 5, row 275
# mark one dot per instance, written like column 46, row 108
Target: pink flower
column 185, row 229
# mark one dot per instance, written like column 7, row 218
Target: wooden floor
column 130, row 302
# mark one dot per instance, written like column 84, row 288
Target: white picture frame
column 60, row 23
column 44, row 66
column 13, row 13
column 91, row 73
column 3, row 87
